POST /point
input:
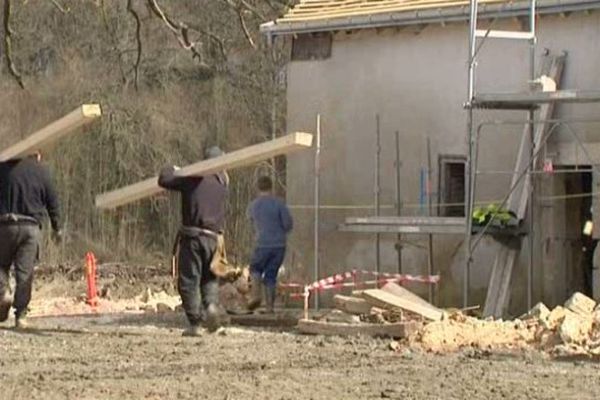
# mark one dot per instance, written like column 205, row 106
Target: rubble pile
column 572, row 329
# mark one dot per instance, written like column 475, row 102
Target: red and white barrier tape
column 340, row 278
column 339, row 281
column 348, row 284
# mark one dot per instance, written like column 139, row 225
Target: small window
column 452, row 186
column 312, row 46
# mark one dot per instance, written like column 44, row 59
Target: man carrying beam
column 203, row 216
column 26, row 196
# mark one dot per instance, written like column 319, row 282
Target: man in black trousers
column 26, row 196
column 203, row 217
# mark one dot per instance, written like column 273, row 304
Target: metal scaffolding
column 529, row 101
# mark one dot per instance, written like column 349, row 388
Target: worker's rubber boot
column 270, row 294
column 5, row 305
column 22, row 323
column 255, row 293
column 192, row 331
column 210, row 298
column 213, row 318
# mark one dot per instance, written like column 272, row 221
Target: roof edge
column 440, row 15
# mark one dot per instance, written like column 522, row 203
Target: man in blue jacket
column 272, row 222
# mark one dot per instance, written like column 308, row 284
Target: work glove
column 57, row 236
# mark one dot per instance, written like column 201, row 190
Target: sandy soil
column 133, row 356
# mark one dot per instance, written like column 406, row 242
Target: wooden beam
column 399, row 291
column 351, row 305
column 51, row 133
column 239, row 158
column 388, row 301
column 266, row 320
column 498, row 291
column 394, row 330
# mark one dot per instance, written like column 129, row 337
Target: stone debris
column 580, row 304
column 539, row 311
column 575, row 328
column 160, row 302
column 572, row 330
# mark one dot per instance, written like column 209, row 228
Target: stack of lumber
column 391, row 311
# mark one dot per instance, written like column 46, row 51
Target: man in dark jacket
column 26, row 196
column 203, row 216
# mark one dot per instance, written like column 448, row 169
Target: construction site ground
column 124, row 352
column 144, row 356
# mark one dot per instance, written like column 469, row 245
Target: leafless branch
column 245, row 30
column 180, row 30
column 241, row 6
column 220, row 42
column 8, row 45
column 253, row 10
column 138, row 36
column 60, row 7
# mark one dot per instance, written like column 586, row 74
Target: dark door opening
column 578, row 208
column 451, row 186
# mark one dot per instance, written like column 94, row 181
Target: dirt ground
column 144, row 356
column 122, row 352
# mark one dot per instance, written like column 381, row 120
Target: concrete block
column 580, row 304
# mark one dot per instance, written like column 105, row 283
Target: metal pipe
column 429, row 213
column 317, row 204
column 398, row 200
column 472, row 51
column 537, row 172
column 377, row 190
column 531, row 237
column 470, row 167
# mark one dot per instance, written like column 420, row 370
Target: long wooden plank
column 388, row 301
column 266, row 320
column 239, row 158
column 399, row 291
column 518, row 199
column 499, row 285
column 51, row 133
column 394, row 330
column 352, row 305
